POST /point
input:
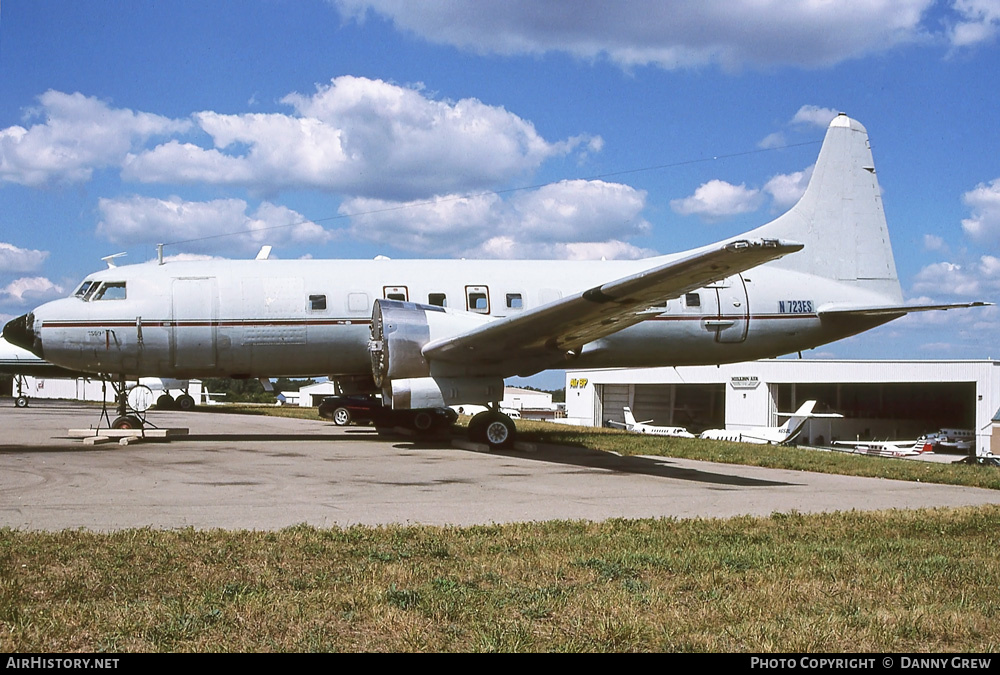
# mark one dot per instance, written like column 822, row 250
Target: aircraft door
column 195, row 322
column 732, row 322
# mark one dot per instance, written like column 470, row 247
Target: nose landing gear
column 131, row 404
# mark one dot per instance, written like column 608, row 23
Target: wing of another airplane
column 567, row 324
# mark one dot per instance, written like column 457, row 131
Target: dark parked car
column 344, row 410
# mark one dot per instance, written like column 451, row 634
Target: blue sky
column 521, row 129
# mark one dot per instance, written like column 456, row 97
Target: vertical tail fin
column 840, row 217
column 798, row 418
column 629, row 417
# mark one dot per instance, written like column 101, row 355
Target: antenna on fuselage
column 110, row 259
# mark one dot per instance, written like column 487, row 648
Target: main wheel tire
column 341, row 417
column 422, row 421
column 21, row 401
column 185, row 402
column 493, row 428
column 166, row 402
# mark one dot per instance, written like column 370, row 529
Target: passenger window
column 692, row 300
column 111, row 290
column 437, row 299
column 317, row 302
column 514, row 301
column 478, row 299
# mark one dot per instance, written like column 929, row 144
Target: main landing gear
column 494, row 428
column 183, row 402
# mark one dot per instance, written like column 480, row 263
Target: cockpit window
column 110, row 290
column 84, row 287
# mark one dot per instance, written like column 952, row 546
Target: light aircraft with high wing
column 780, row 435
column 434, row 333
column 645, row 427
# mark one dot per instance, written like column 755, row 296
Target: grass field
column 900, row 581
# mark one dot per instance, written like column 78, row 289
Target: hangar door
column 889, row 410
column 695, row 406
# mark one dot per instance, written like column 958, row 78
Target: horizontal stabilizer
column 893, row 310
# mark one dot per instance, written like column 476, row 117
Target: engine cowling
column 438, row 392
column 399, row 332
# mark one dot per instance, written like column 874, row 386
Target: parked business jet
column 646, row 428
column 429, row 334
column 786, row 433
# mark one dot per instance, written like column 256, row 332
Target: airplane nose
column 21, row 332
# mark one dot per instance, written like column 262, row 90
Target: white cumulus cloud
column 732, row 33
column 718, row 199
column 978, row 21
column 31, row 290
column 975, row 280
column 815, row 116
column 570, row 219
column 360, row 137
column 983, row 226
column 203, row 226
column 786, row 189
column 14, row 259
column 78, row 135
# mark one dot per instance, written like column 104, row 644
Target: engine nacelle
column 438, row 392
column 401, row 329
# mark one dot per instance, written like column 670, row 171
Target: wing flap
column 569, row 323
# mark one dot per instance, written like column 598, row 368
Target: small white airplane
column 19, row 362
column 781, row 435
column 884, row 448
column 435, row 333
column 646, row 428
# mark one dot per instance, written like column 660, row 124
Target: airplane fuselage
column 312, row 317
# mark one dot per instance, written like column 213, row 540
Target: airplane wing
column 896, row 444
column 565, row 325
column 892, row 310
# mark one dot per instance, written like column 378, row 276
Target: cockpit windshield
column 110, row 290
column 96, row 290
column 82, row 289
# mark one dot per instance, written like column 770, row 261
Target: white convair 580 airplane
column 434, row 333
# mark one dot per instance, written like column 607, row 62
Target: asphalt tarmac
column 266, row 473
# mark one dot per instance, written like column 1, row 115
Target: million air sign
column 744, row 381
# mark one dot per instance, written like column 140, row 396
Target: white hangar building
column 883, row 400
